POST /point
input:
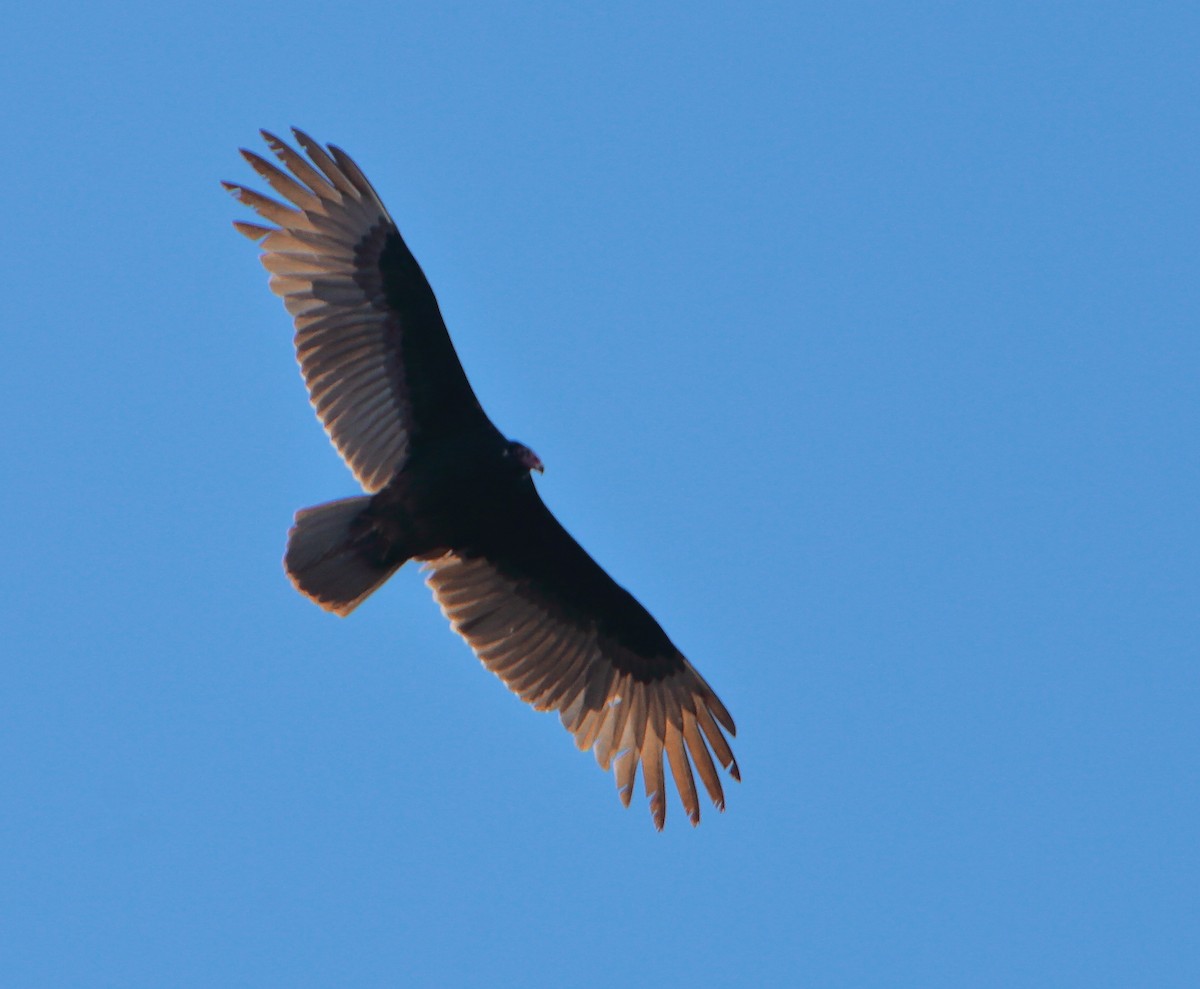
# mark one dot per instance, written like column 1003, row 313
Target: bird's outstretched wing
column 543, row 616
column 370, row 339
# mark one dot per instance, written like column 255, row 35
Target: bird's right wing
column 370, row 338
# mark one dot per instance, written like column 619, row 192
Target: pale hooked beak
column 527, row 458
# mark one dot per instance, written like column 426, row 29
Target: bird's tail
column 337, row 556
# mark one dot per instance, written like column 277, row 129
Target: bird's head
column 523, row 457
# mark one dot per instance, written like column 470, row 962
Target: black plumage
column 446, row 488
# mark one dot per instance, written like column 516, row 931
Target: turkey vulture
column 445, row 487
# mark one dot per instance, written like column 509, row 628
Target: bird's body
column 445, row 487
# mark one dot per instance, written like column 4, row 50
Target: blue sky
column 860, row 342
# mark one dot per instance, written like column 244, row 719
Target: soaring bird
column 446, row 488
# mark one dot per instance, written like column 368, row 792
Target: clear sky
column 860, row 343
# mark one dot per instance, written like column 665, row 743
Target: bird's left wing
column 543, row 616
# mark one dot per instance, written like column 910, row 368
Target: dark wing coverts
column 545, row 618
column 370, row 339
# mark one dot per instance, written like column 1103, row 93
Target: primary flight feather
column 446, row 488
